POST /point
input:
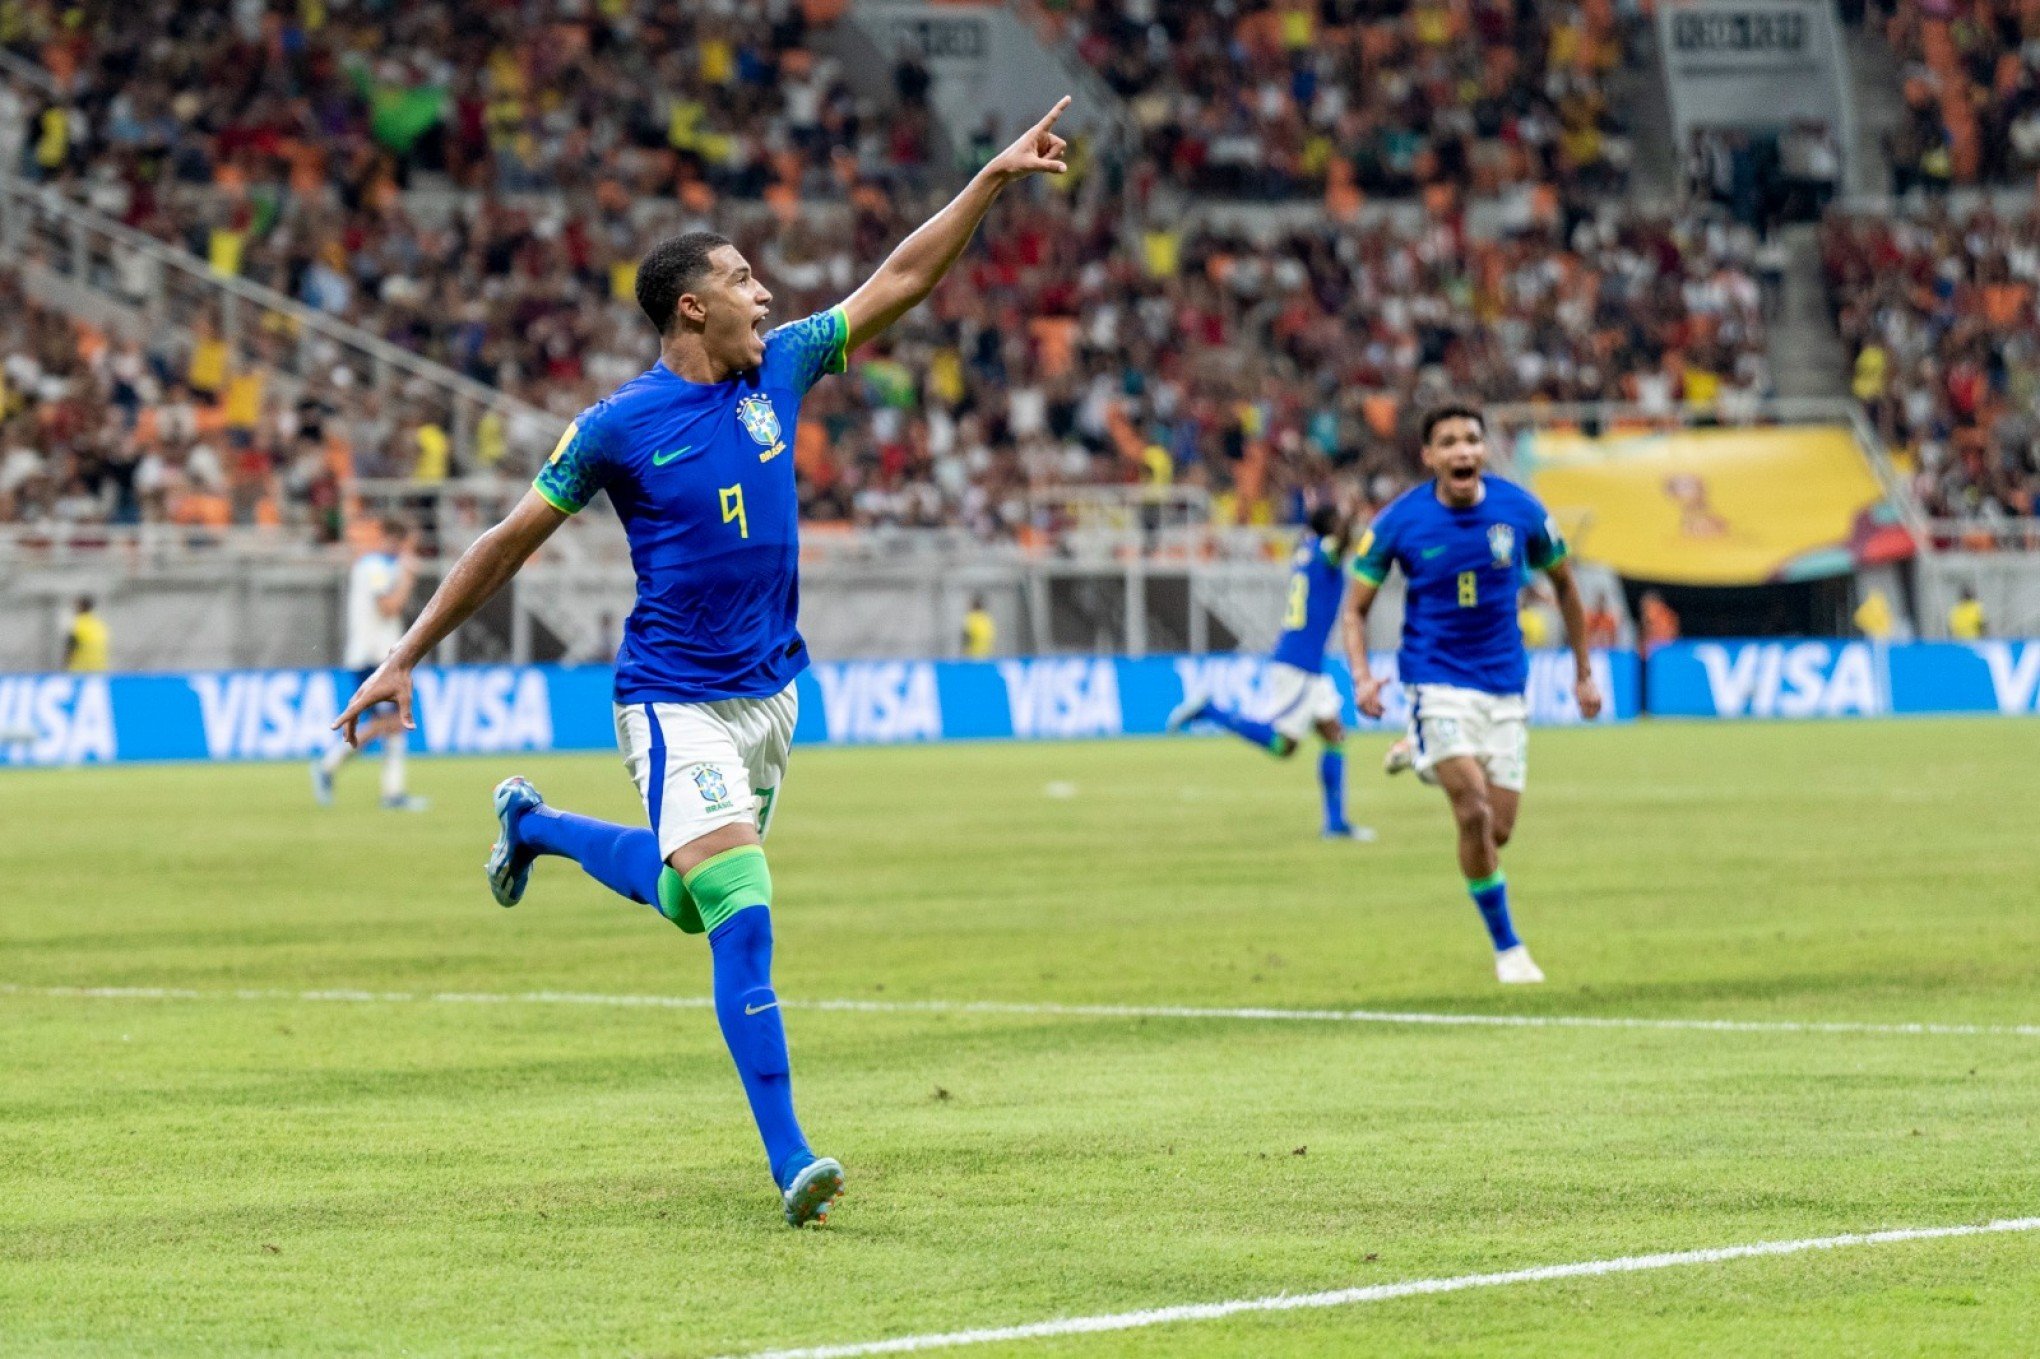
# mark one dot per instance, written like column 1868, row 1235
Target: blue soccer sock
column 625, row 859
column 1258, row 733
column 747, row 1008
column 1491, row 894
column 1331, row 772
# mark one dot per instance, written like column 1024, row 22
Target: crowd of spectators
column 1067, row 347
column 359, row 97
column 1288, row 98
column 1938, row 313
column 1971, row 84
column 99, row 428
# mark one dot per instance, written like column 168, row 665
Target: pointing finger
column 1048, row 119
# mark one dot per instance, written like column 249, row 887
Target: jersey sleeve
column 803, row 352
column 1546, row 546
column 1376, row 552
column 577, row 468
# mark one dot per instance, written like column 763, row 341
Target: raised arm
column 481, row 571
column 1567, row 588
column 918, row 263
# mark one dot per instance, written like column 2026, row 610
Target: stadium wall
column 285, row 714
column 217, row 715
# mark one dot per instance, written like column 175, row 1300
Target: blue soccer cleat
column 509, row 864
column 808, row 1198
column 1363, row 835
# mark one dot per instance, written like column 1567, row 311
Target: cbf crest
column 761, row 422
column 714, row 791
column 1501, row 541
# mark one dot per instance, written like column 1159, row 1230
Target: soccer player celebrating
column 695, row 456
column 1462, row 540
column 1301, row 698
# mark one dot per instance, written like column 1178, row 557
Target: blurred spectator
column 1966, row 622
column 1659, row 624
column 980, row 633
column 86, row 643
column 1873, row 617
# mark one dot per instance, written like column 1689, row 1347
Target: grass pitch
column 229, row 1175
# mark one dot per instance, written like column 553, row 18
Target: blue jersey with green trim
column 702, row 476
column 1464, row 568
column 1317, row 582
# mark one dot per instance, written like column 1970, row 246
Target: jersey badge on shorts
column 1501, row 540
column 761, row 422
column 714, row 791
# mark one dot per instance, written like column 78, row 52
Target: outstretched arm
column 1567, row 588
column 481, row 571
column 918, row 263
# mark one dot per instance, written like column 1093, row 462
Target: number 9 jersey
column 1464, row 568
column 702, row 476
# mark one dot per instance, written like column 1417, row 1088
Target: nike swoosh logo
column 661, row 459
column 760, row 1009
column 1431, row 552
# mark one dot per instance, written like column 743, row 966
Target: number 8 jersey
column 702, row 476
column 1464, row 568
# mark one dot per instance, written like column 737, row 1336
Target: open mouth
column 1464, row 475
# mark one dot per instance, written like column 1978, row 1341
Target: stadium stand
column 1349, row 98
column 1938, row 313
column 478, row 193
column 1971, row 73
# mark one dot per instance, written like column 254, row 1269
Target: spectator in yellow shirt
column 85, row 645
column 1873, row 617
column 980, row 633
column 1966, row 622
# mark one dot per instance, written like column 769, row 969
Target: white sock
column 393, row 765
column 335, row 756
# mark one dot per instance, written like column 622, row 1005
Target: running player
column 378, row 587
column 1462, row 540
column 1300, row 696
column 696, row 457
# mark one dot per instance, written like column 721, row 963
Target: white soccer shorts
column 1447, row 721
column 701, row 766
column 1296, row 700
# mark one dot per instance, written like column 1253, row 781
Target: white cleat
column 1189, row 710
column 1400, row 756
column 1514, row 967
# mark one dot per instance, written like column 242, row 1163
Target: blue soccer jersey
column 1464, row 568
column 702, row 477
column 1317, row 582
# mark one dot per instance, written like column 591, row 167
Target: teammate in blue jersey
column 1463, row 540
column 1299, row 697
column 695, row 454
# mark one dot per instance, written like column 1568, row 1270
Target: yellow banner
column 1707, row 506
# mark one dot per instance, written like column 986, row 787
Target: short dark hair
column 84, row 603
column 1451, row 410
column 393, row 527
column 1324, row 520
column 673, row 267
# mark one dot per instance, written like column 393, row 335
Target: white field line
column 1347, row 1297
column 1259, row 1014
